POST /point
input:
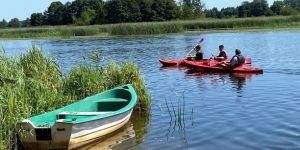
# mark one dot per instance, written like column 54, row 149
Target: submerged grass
column 32, row 84
column 149, row 28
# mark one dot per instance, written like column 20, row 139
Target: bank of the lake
column 150, row 28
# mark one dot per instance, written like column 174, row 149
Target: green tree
column 288, row 11
column 115, row 11
column 145, row 9
column 36, row 19
column 277, row 6
column 26, row 23
column 229, row 12
column 212, row 13
column 69, row 15
column 133, row 11
column 187, row 9
column 86, row 17
column 197, row 7
column 292, row 4
column 157, row 11
column 14, row 23
column 164, row 10
column 55, row 13
column 3, row 23
column 123, row 11
column 170, row 10
column 244, row 10
column 192, row 9
column 98, row 6
column 259, row 8
column 78, row 7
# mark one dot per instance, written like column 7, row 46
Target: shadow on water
column 128, row 137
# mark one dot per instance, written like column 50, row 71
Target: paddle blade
column 200, row 41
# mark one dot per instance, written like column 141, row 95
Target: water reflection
column 237, row 80
column 125, row 134
column 128, row 137
column 140, row 125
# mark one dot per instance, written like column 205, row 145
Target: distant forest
column 88, row 12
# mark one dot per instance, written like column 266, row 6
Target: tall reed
column 32, row 84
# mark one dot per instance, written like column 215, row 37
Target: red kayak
column 214, row 66
column 170, row 62
column 181, row 62
column 178, row 62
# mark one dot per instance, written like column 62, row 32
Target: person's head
column 221, row 47
column 198, row 48
column 237, row 51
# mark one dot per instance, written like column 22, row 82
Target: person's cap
column 198, row 47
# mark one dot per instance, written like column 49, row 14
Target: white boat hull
column 68, row 135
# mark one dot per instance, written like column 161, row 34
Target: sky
column 24, row 8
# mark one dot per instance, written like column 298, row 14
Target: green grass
column 33, row 83
column 149, row 28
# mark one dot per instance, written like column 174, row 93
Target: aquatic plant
column 179, row 115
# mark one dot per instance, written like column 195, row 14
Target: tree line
column 256, row 8
column 88, row 12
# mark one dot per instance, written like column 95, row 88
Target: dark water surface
column 218, row 111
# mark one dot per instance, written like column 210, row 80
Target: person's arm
column 233, row 62
column 221, row 56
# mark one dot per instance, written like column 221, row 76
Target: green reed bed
column 55, row 31
column 145, row 28
column 260, row 22
column 149, row 28
column 33, row 83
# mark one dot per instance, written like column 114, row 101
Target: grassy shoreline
column 153, row 28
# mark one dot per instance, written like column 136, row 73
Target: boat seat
column 73, row 114
column 83, row 113
column 111, row 104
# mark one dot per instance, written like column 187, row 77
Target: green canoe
column 79, row 123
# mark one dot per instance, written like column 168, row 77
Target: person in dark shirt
column 237, row 60
column 199, row 53
column 222, row 54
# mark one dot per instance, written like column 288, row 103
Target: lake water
column 219, row 111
